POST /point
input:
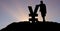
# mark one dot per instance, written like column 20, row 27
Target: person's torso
column 42, row 8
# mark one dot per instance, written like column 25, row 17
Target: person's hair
column 41, row 2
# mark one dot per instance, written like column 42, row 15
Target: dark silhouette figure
column 42, row 10
column 33, row 14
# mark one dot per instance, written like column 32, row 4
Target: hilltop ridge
column 27, row 26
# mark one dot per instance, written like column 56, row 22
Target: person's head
column 41, row 2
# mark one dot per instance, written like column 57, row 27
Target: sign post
column 33, row 14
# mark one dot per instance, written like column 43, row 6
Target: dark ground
column 27, row 26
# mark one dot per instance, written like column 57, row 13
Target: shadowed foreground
column 27, row 26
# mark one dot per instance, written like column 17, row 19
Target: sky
column 17, row 11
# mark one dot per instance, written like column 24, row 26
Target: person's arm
column 45, row 8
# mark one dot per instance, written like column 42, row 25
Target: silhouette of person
column 42, row 10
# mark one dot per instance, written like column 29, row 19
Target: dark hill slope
column 27, row 26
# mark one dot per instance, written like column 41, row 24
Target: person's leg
column 43, row 18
